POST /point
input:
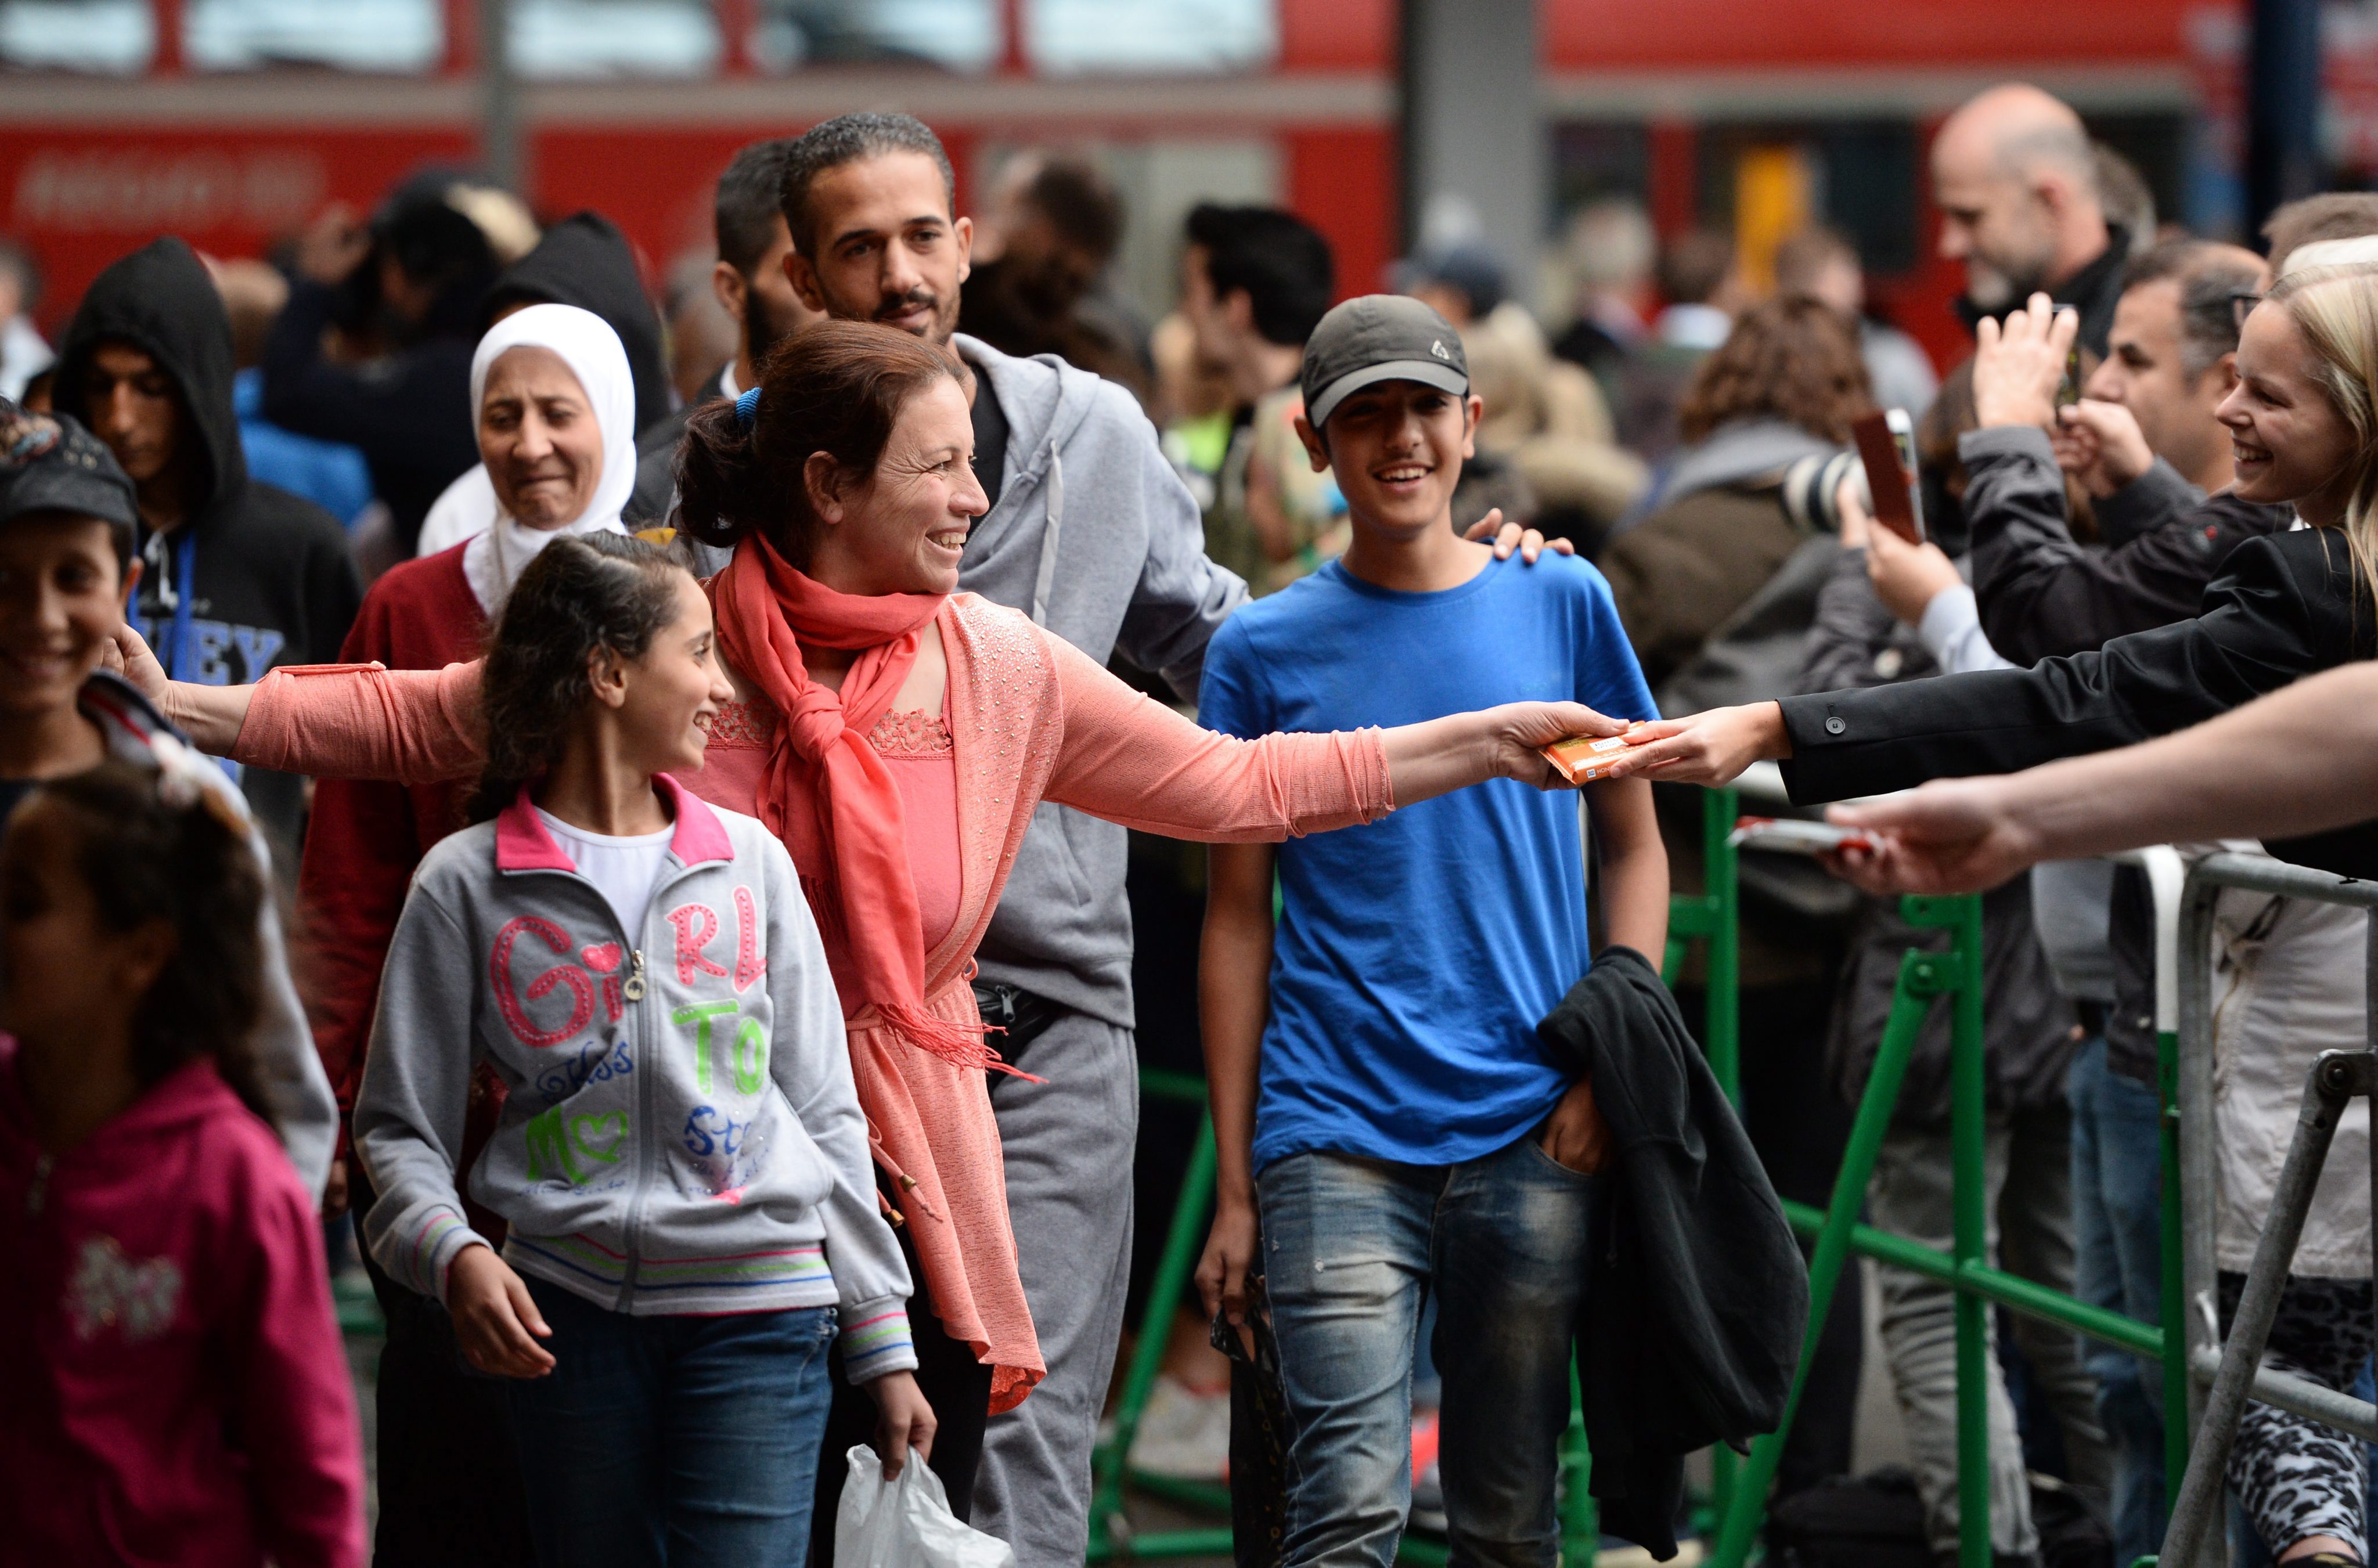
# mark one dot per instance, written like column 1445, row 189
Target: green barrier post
column 2174, row 1304
column 1110, row 1535
column 1965, row 1268
column 1922, row 977
column 1969, row 1147
column 1713, row 918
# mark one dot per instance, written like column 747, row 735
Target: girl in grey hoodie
column 681, row 1161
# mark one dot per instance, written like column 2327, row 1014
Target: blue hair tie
column 747, row 407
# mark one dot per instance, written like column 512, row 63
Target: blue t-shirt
column 1414, row 955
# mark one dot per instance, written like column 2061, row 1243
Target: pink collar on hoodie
column 523, row 844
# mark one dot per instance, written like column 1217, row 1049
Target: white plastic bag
column 906, row 1522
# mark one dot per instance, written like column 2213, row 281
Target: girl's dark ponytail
column 196, row 867
column 582, row 593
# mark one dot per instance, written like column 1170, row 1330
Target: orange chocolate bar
column 1583, row 759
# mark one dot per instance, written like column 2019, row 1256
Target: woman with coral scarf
column 898, row 736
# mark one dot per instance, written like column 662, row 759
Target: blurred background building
column 1390, row 127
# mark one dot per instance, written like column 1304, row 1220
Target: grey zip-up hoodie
column 1095, row 537
column 682, row 1134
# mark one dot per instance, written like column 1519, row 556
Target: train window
column 395, row 36
column 114, row 37
column 956, row 35
column 614, row 37
column 1063, row 37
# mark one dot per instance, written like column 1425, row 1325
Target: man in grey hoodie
column 1092, row 534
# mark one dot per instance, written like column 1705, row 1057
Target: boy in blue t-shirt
column 1406, row 1135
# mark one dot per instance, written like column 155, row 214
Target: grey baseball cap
column 49, row 463
column 1379, row 338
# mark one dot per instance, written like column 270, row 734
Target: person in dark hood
column 584, row 260
column 2016, row 182
column 239, row 576
column 429, row 269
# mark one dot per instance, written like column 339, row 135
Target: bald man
column 2016, row 184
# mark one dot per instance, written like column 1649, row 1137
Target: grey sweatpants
column 2029, row 1179
column 1068, row 1147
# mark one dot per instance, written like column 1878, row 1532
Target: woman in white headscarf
column 555, row 411
column 570, row 345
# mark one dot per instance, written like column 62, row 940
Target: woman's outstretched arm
column 1133, row 761
column 2302, row 761
column 329, row 720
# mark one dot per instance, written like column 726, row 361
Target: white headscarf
column 495, row 557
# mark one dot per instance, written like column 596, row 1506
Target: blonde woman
column 2302, row 424
column 2304, row 432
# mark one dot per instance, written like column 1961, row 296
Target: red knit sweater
column 365, row 838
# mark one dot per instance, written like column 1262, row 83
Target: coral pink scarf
column 826, row 793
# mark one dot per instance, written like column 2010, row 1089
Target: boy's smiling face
column 61, row 601
column 1397, row 448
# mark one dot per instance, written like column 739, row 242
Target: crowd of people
column 638, row 817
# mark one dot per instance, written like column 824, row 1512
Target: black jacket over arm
column 1697, row 1298
column 2288, row 606
column 2041, row 594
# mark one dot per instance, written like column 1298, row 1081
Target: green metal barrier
column 1922, row 977
column 1712, row 918
column 1965, row 1268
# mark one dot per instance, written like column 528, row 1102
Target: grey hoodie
column 682, row 1134
column 1095, row 537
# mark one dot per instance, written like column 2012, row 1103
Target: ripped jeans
column 1351, row 1247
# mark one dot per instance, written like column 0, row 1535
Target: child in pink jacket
column 171, row 1374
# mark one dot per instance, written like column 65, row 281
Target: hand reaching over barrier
column 1952, row 837
column 2300, row 760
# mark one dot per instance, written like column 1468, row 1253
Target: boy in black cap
column 67, row 519
column 1406, row 1135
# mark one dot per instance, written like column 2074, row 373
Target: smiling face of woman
column 904, row 527
column 539, row 438
column 2292, row 443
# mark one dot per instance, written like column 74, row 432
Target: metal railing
column 2220, row 1378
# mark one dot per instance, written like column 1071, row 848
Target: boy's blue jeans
column 2118, row 1264
column 1351, row 1247
column 686, row 1440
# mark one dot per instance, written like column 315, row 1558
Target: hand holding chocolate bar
column 1586, row 758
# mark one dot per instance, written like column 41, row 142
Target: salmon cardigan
column 1031, row 719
